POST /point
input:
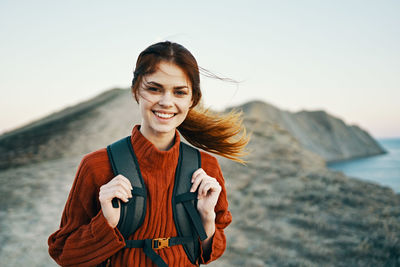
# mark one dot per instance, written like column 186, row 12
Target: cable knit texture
column 86, row 239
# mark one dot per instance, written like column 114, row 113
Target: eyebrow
column 160, row 85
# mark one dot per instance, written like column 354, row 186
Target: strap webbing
column 152, row 255
column 146, row 244
column 123, row 161
column 188, row 196
column 187, row 220
column 138, row 192
column 185, row 198
column 196, row 220
column 135, row 192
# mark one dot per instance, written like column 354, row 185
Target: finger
column 203, row 189
column 197, row 180
column 124, row 190
column 121, row 195
column 107, row 194
column 115, row 191
column 206, row 186
column 117, row 187
column 209, row 185
column 196, row 173
column 122, row 179
column 127, row 182
column 123, row 182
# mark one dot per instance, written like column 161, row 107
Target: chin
column 164, row 128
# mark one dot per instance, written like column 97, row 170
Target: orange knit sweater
column 85, row 238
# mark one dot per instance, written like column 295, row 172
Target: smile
column 164, row 115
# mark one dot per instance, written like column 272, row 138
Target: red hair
column 222, row 134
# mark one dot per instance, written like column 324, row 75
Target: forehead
column 169, row 74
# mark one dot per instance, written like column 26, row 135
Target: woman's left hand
column 208, row 193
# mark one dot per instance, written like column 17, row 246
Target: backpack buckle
column 159, row 243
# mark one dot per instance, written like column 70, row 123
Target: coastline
column 383, row 169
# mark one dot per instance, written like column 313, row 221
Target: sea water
column 382, row 169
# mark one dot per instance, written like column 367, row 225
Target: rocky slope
column 288, row 208
column 318, row 131
column 99, row 121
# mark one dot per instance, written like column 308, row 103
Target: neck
column 162, row 141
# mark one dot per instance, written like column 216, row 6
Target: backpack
column 186, row 217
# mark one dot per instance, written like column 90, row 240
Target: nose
column 166, row 100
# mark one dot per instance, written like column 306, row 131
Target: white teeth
column 164, row 115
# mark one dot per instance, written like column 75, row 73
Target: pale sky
column 340, row 56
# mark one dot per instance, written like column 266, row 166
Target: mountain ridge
column 318, row 131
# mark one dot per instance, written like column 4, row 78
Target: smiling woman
column 166, row 85
column 164, row 98
column 222, row 134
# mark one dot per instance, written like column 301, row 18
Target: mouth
column 164, row 115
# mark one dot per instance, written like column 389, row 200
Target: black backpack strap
column 123, row 161
column 187, row 219
column 150, row 245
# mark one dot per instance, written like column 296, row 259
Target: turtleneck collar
column 149, row 156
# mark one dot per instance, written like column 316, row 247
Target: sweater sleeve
column 84, row 237
column 223, row 215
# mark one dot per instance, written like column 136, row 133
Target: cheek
column 185, row 104
column 144, row 106
column 144, row 97
column 146, row 100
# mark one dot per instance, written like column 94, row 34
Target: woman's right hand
column 119, row 187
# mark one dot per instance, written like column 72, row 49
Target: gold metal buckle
column 159, row 243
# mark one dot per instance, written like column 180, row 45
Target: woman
column 166, row 86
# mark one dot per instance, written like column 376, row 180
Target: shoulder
column 210, row 165
column 96, row 167
column 97, row 158
column 208, row 159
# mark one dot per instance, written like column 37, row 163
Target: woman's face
column 164, row 97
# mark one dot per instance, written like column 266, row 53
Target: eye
column 181, row 92
column 153, row 89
